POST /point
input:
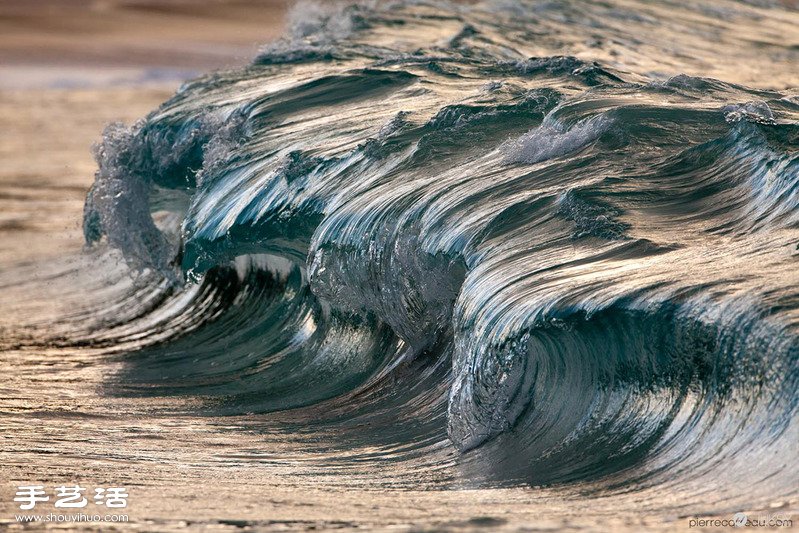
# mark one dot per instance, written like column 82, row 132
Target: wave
column 395, row 219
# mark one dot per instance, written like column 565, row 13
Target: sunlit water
column 441, row 266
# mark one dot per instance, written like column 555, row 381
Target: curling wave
column 569, row 270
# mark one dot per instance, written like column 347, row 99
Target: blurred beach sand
column 69, row 67
column 118, row 34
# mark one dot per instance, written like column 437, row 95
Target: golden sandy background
column 69, row 67
column 136, row 33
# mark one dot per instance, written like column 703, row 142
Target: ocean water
column 425, row 265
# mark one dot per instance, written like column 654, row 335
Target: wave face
column 423, row 225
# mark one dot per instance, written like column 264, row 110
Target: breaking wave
column 396, row 223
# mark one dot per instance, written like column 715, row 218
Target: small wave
column 553, row 139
